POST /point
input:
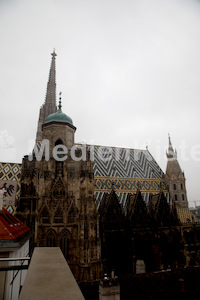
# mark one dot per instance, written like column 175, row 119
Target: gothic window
column 58, row 142
column 51, row 238
column 174, row 186
column 59, row 191
column 183, row 198
column 72, row 215
column 176, row 198
column 64, row 243
column 45, row 215
column 181, row 186
column 58, row 217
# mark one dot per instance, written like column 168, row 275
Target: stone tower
column 49, row 105
column 57, row 193
column 175, row 178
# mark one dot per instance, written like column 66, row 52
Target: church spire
column 49, row 107
column 51, row 85
column 171, row 154
column 175, row 178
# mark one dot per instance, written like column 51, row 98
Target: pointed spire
column 171, row 154
column 170, row 143
column 49, row 107
column 51, row 85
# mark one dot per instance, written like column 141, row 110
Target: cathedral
column 109, row 209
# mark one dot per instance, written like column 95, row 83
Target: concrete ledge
column 49, row 277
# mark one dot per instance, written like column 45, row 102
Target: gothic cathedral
column 107, row 208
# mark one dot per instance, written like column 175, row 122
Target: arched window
column 174, row 186
column 45, row 218
column 183, row 198
column 58, row 142
column 181, row 186
column 58, row 217
column 59, row 191
column 64, row 243
column 72, row 215
column 176, row 198
column 51, row 238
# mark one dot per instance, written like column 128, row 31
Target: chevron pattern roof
column 186, row 216
column 116, row 162
column 125, row 169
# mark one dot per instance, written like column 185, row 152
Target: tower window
column 183, row 198
column 181, row 186
column 174, row 186
column 176, row 198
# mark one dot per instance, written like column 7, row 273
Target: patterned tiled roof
column 186, row 216
column 11, row 172
column 126, row 169
column 11, row 228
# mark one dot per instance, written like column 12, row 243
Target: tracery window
column 72, row 215
column 45, row 217
column 51, row 238
column 58, row 217
column 64, row 243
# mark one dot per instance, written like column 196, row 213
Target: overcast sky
column 129, row 72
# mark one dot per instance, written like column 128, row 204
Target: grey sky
column 128, row 70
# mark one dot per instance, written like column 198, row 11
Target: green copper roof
column 58, row 116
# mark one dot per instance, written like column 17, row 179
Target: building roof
column 186, row 216
column 125, row 169
column 11, row 228
column 59, row 117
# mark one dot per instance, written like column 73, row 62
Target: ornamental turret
column 175, row 178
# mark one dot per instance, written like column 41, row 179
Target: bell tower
column 175, row 178
column 57, row 192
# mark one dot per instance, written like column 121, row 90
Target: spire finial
column 170, row 143
column 59, row 106
column 54, row 53
column 171, row 153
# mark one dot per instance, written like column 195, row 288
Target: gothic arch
column 64, row 242
column 58, row 189
column 72, row 214
column 51, row 238
column 58, row 216
column 58, row 142
column 45, row 215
